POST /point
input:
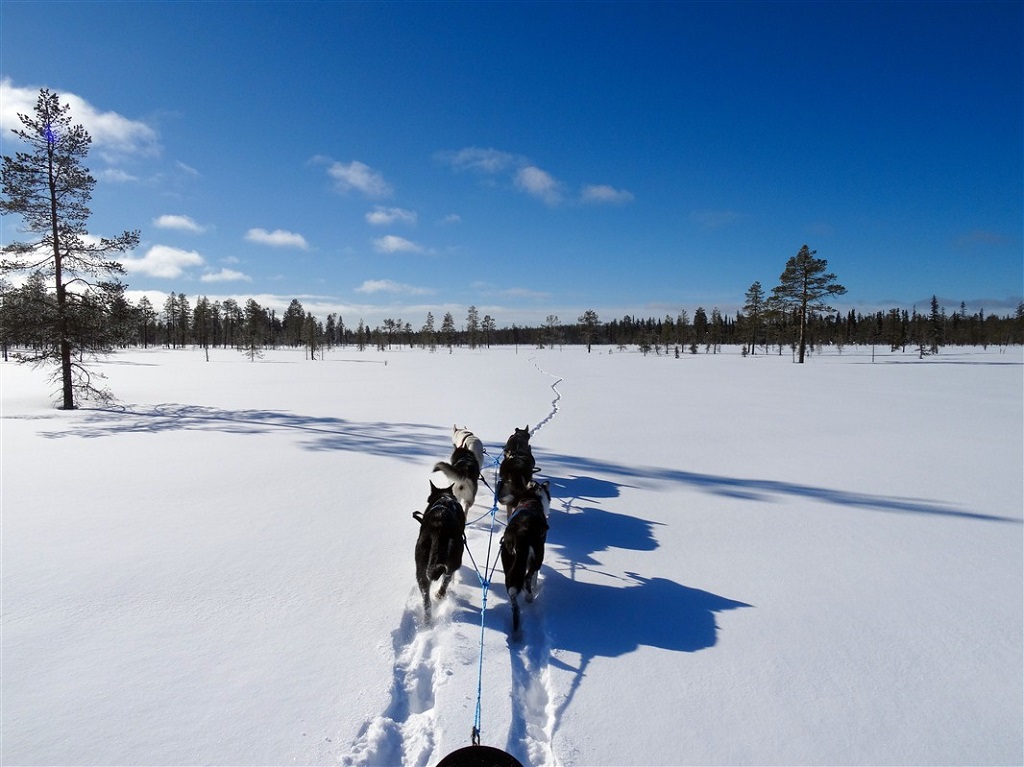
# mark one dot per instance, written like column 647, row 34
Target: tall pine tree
column 49, row 187
column 803, row 286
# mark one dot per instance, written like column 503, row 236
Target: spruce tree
column 49, row 188
column 472, row 326
column 754, row 310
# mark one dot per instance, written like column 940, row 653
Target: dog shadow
column 581, row 532
column 651, row 612
column 644, row 611
column 648, row 612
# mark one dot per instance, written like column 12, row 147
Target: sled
column 479, row 756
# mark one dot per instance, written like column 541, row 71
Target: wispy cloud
column 539, row 183
column 179, row 223
column 525, row 293
column 162, row 261
column 481, row 160
column 390, row 286
column 382, row 216
column 279, row 238
column 113, row 135
column 226, row 275
column 391, row 243
column 605, row 194
column 527, row 177
column 357, row 176
column 452, row 218
column 116, row 176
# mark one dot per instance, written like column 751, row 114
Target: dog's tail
column 448, row 470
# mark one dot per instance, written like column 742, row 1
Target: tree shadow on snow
column 412, row 441
column 761, row 490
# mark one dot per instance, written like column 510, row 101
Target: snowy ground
column 749, row 562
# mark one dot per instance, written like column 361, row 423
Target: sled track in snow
column 409, row 730
column 534, row 713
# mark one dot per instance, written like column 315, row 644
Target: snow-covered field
column 749, row 562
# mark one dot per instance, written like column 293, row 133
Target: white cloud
column 391, row 243
column 360, row 177
column 452, row 218
column 180, row 223
column 382, row 216
column 110, row 131
column 538, row 183
column 525, row 293
column 482, row 160
column 278, row 238
column 602, row 193
column 162, row 261
column 116, row 176
column 226, row 275
column 497, row 165
column 390, row 286
column 188, row 170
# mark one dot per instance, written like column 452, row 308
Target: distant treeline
column 26, row 317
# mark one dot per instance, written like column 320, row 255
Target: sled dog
column 440, row 543
column 514, row 477
column 519, row 443
column 522, row 545
column 463, row 471
column 517, row 467
column 463, row 437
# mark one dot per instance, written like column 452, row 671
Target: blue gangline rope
column 485, row 584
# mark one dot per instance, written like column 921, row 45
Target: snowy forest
column 115, row 322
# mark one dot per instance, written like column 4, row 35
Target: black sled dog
column 463, row 471
column 517, row 468
column 522, row 545
column 519, row 443
column 440, row 543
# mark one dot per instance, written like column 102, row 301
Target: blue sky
column 390, row 159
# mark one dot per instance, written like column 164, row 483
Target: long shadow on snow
column 401, row 440
column 593, row 620
column 758, row 489
column 416, row 441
